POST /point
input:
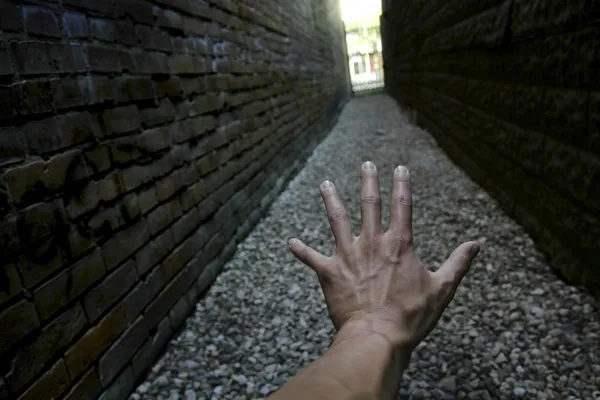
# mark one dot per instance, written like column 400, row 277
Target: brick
column 121, row 387
column 168, row 19
column 21, row 179
column 565, row 114
column 10, row 95
column 140, row 11
column 111, row 219
column 40, row 21
column 69, row 284
column 164, row 215
column 87, row 388
column 161, row 115
column 50, row 385
column 12, row 145
column 36, row 58
column 576, row 172
column 183, row 64
column 99, row 299
column 37, row 222
column 125, row 243
column 530, row 18
column 153, row 39
column 37, row 97
column 89, row 347
column 135, row 302
column 154, row 251
column 32, row 358
column 67, row 130
column 178, row 313
column 67, row 93
column 97, row 159
column 73, row 58
column 150, row 62
column 95, row 192
column 144, row 357
column 75, row 25
column 137, row 175
column 103, row 29
column 170, row 87
column 185, row 225
column 17, row 321
column 167, row 298
column 78, row 240
column 96, row 89
column 126, row 34
column 104, row 7
column 569, row 60
column 180, row 256
column 121, row 120
column 11, row 286
column 121, row 351
column 103, row 58
column 147, row 200
column 11, row 17
column 193, row 128
column 40, row 263
column 170, row 185
column 133, row 88
column 104, row 222
column 188, row 199
column 593, row 141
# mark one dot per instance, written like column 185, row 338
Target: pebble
column 264, row 318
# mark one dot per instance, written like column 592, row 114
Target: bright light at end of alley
column 357, row 10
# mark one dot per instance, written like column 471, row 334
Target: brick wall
column 511, row 90
column 139, row 142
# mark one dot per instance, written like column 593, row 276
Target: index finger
column 337, row 215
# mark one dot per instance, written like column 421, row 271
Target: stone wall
column 511, row 90
column 139, row 142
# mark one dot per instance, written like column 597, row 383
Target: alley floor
column 514, row 330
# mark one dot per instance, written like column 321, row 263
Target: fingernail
column 327, row 185
column 368, row 166
column 475, row 249
column 291, row 242
column 402, row 170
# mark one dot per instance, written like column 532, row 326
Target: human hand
column 375, row 283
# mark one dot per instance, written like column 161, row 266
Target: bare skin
column 382, row 300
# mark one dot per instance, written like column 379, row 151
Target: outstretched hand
column 375, row 283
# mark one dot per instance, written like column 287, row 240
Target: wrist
column 369, row 327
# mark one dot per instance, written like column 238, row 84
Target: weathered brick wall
column 139, row 141
column 510, row 89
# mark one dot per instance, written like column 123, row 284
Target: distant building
column 364, row 53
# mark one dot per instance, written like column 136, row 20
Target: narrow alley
column 513, row 330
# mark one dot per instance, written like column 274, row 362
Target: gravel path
column 513, row 330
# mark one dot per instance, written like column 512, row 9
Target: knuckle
column 371, row 199
column 337, row 214
column 373, row 243
column 403, row 200
column 402, row 242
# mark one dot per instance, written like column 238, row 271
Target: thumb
column 457, row 265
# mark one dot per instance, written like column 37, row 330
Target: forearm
column 357, row 366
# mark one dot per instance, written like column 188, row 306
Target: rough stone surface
column 513, row 328
column 509, row 90
column 126, row 129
